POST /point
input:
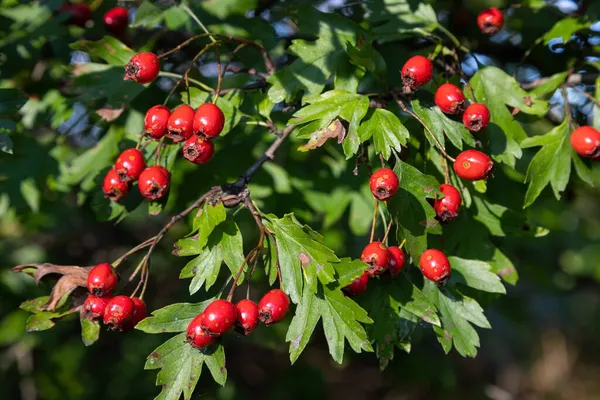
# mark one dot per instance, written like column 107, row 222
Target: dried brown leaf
column 334, row 130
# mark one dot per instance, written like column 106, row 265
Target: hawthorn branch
column 573, row 79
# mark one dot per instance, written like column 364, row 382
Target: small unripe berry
column 247, row 316
column 198, row 150
column 435, row 266
column 384, row 184
column 490, row 20
column 155, row 122
column 208, row 121
column 416, row 72
column 473, row 165
column 397, row 260
column 154, row 183
column 447, row 208
column 102, row 279
column 586, row 142
column 450, row 99
column 139, row 311
column 179, row 126
column 118, row 313
column 116, row 20
column 196, row 336
column 377, row 256
column 476, row 117
column 129, row 165
column 79, row 13
column 219, row 317
column 94, row 306
column 114, row 189
column 273, row 307
column 142, row 68
column 358, row 285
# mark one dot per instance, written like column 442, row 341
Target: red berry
column 102, row 279
column 219, row 317
column 79, row 13
column 94, row 306
column 490, row 20
column 130, row 165
column 358, row 286
column 139, row 311
column 384, row 184
column 155, row 123
column 449, row 98
column 377, row 256
column 179, row 126
column 198, row 150
column 476, row 117
column 586, row 142
column 273, row 307
column 116, row 20
column 397, row 259
column 154, row 182
column 473, row 165
column 247, row 316
column 208, row 121
column 142, row 68
column 119, row 312
column 416, row 72
column 435, row 266
column 196, row 336
column 114, row 189
column 447, row 208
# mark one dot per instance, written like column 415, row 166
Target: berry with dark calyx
column 102, row 279
column 113, row 187
column 416, row 72
column 208, row 121
column 196, row 336
column 94, row 306
column 476, row 117
column 79, row 13
column 139, row 311
column 129, row 165
column 397, row 260
column 447, row 208
column 377, row 256
column 586, row 142
column 142, row 68
column 384, row 184
column 247, row 316
column 116, row 20
column 358, row 285
column 435, row 266
column 119, row 312
column 450, row 99
column 219, row 317
column 155, row 122
column 179, row 126
column 198, row 150
column 273, row 306
column 154, row 182
column 473, row 165
column 490, row 20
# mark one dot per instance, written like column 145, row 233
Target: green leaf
column 565, row 28
column 172, row 318
column 31, row 194
column 399, row 16
column 348, row 76
column 6, row 144
column 475, row 274
column 359, row 207
column 94, row 82
column 226, row 8
column 332, row 205
column 11, row 101
column 440, row 124
column 547, row 89
column 387, row 131
column 207, row 220
column 148, row 15
column 203, row 269
column 408, row 296
column 109, row 49
column 90, row 331
column 347, row 270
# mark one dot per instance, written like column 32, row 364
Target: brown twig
column 568, row 115
column 219, row 76
column 586, row 94
column 140, row 246
column 446, row 171
column 374, row 222
column 387, row 231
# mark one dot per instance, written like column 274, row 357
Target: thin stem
column 219, row 77
column 568, row 114
column 374, row 222
column 187, row 9
column 382, row 160
column 196, row 57
column 201, row 85
column 402, row 244
column 140, row 246
column 452, row 38
column 445, row 169
column 387, row 231
column 586, row 94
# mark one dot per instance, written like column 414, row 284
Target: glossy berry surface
column 119, row 312
column 154, row 183
column 114, row 189
column 142, row 68
column 273, row 306
column 377, row 256
column 79, row 13
column 179, row 126
column 139, row 311
column 247, row 316
column 416, row 72
column 94, row 306
column 435, row 266
column 476, row 117
column 208, row 121
column 450, row 99
column 198, row 150
column 129, row 165
column 358, row 285
column 586, row 142
column 196, row 336
column 219, row 317
column 384, row 184
column 490, row 20
column 447, row 208
column 397, row 260
column 116, row 20
column 473, row 165
column 102, row 279
column 155, row 122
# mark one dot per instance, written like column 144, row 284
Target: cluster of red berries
column 119, row 312
column 116, row 20
column 586, row 142
column 222, row 315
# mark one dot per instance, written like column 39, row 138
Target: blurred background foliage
column 544, row 341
